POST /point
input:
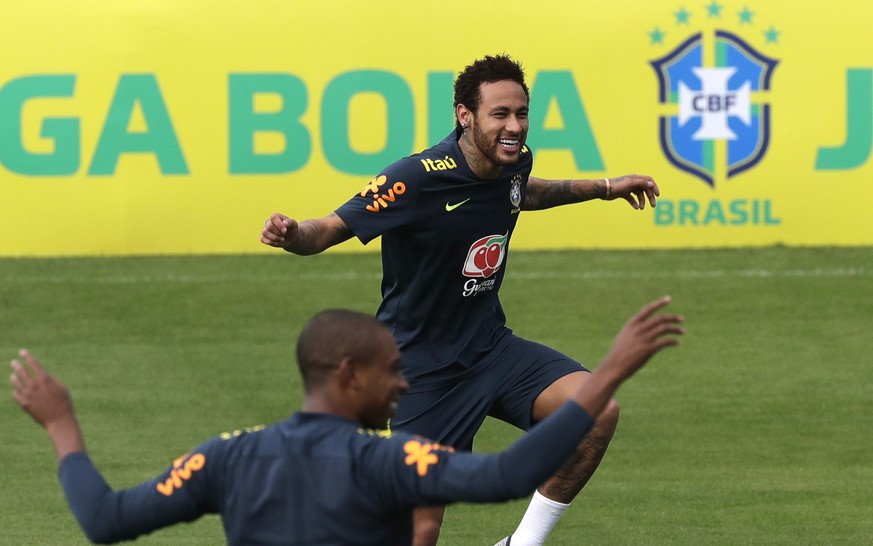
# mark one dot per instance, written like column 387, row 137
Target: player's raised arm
column 640, row 339
column 48, row 401
column 633, row 188
column 306, row 237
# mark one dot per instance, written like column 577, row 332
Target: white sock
column 541, row 516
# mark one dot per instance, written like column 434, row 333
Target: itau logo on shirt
column 714, row 85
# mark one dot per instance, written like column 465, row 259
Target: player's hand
column 39, row 394
column 279, row 231
column 643, row 336
column 635, row 189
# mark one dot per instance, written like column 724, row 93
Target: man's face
column 383, row 383
column 499, row 127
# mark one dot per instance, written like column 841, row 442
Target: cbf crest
column 714, row 87
column 515, row 191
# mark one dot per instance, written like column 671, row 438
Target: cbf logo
column 515, row 193
column 715, row 87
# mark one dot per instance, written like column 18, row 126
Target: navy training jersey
column 316, row 479
column 445, row 239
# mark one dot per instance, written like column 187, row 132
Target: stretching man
column 319, row 478
column 446, row 217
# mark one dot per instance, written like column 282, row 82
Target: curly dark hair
column 486, row 70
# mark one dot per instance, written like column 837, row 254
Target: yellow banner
column 168, row 127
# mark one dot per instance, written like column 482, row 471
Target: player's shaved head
column 486, row 70
column 332, row 335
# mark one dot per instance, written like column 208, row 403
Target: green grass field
column 755, row 430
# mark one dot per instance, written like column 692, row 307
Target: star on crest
column 714, row 9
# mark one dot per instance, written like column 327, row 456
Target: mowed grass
column 755, row 430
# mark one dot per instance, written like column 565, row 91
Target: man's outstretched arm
column 634, row 188
column 306, row 237
column 48, row 401
column 105, row 516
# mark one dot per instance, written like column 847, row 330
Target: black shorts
column 503, row 385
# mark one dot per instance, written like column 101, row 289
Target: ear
column 347, row 374
column 464, row 115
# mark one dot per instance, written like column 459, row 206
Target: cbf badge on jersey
column 515, row 193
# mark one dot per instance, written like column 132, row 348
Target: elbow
column 521, row 482
column 98, row 531
column 99, row 535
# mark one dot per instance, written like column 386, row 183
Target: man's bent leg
column 450, row 416
column 426, row 525
column 544, row 511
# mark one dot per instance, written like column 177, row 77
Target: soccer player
column 446, row 216
column 318, row 477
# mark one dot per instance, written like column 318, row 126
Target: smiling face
column 497, row 130
column 382, row 383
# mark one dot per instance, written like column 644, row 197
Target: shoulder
column 433, row 161
column 443, row 157
column 410, row 451
column 526, row 158
column 243, row 442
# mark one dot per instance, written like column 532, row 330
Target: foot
column 504, row 542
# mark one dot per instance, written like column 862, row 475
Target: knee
column 427, row 523
column 607, row 421
column 426, row 534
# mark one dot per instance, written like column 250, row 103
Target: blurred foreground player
column 319, row 478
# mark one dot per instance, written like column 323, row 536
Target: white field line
column 523, row 275
column 701, row 274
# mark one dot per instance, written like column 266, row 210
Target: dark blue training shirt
column 316, row 479
column 445, row 239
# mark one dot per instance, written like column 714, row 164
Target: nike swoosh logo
column 450, row 208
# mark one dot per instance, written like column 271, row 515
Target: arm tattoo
column 305, row 243
column 341, row 233
column 544, row 194
column 312, row 239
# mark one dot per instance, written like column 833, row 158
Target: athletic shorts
column 503, row 385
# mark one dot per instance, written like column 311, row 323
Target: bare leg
column 572, row 477
column 546, row 508
column 426, row 525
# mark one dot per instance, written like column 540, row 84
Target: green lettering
column 245, row 122
column 714, row 213
column 664, row 213
column 688, row 210
column 576, row 134
column 859, row 125
column 440, row 95
column 738, row 211
column 335, row 120
column 64, row 132
column 769, row 219
column 159, row 138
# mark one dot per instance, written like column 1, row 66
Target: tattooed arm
column 305, row 237
column 635, row 189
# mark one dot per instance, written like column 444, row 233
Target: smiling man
column 446, row 216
